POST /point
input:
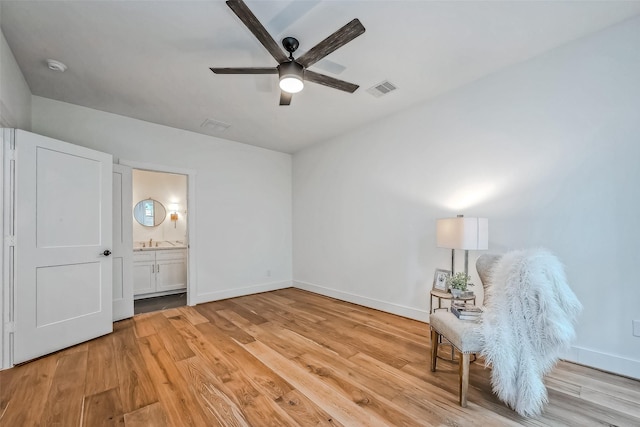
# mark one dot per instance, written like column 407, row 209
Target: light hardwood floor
column 283, row 358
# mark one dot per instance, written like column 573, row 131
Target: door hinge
column 11, row 153
column 10, row 327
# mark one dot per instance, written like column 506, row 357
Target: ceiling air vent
column 215, row 125
column 382, row 88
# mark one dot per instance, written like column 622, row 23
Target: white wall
column 169, row 189
column 243, row 193
column 548, row 150
column 15, row 96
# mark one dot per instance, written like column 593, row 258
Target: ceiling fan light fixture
column 291, row 84
column 291, row 77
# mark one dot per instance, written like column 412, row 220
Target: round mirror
column 149, row 212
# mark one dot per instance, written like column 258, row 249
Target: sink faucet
column 150, row 242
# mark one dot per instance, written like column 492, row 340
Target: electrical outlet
column 636, row 328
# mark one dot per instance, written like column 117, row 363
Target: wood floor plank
column 64, row 402
column 250, row 315
column 339, row 378
column 103, row 409
column 244, row 374
column 624, row 406
column 173, row 342
column 173, row 391
column 571, row 411
column 295, row 404
column 236, row 394
column 619, row 389
column 232, row 356
column 291, row 308
column 345, row 411
column 418, row 391
column 192, row 316
column 209, row 312
column 327, row 338
column 151, row 415
column 264, row 334
column 209, row 392
column 11, row 378
column 317, row 359
column 144, row 325
column 136, row 388
column 285, row 358
column 102, row 373
column 25, row 396
column 304, row 411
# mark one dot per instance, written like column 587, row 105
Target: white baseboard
column 400, row 310
column 604, row 361
column 239, row 292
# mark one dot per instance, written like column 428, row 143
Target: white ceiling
column 150, row 59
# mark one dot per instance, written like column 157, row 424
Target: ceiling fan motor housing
column 291, row 68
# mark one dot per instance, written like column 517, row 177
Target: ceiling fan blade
column 310, row 76
column 285, row 98
column 249, row 70
column 258, row 30
column 336, row 40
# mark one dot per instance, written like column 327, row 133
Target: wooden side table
column 441, row 295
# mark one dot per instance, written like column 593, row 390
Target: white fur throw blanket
column 527, row 325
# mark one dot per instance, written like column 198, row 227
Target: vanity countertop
column 161, row 245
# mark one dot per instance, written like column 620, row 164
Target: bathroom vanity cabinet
column 159, row 272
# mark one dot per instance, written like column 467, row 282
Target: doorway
column 160, row 240
column 173, row 241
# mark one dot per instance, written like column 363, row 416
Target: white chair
column 464, row 335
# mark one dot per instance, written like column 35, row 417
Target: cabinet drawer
column 171, row 254
column 142, row 256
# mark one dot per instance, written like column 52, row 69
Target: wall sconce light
column 174, row 213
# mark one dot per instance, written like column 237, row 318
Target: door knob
column 106, row 252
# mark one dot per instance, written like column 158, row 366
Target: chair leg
column 464, row 378
column 435, row 339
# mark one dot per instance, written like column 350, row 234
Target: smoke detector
column 56, row 65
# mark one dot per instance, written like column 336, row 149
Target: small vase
column 456, row 293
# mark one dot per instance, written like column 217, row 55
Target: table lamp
column 462, row 233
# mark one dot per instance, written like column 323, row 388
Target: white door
column 122, row 243
column 63, row 240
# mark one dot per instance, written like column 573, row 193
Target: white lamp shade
column 463, row 233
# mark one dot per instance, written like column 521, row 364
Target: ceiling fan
column 293, row 72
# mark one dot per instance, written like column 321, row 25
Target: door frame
column 6, row 138
column 122, row 246
column 192, row 281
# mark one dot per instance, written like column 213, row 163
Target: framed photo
column 440, row 280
